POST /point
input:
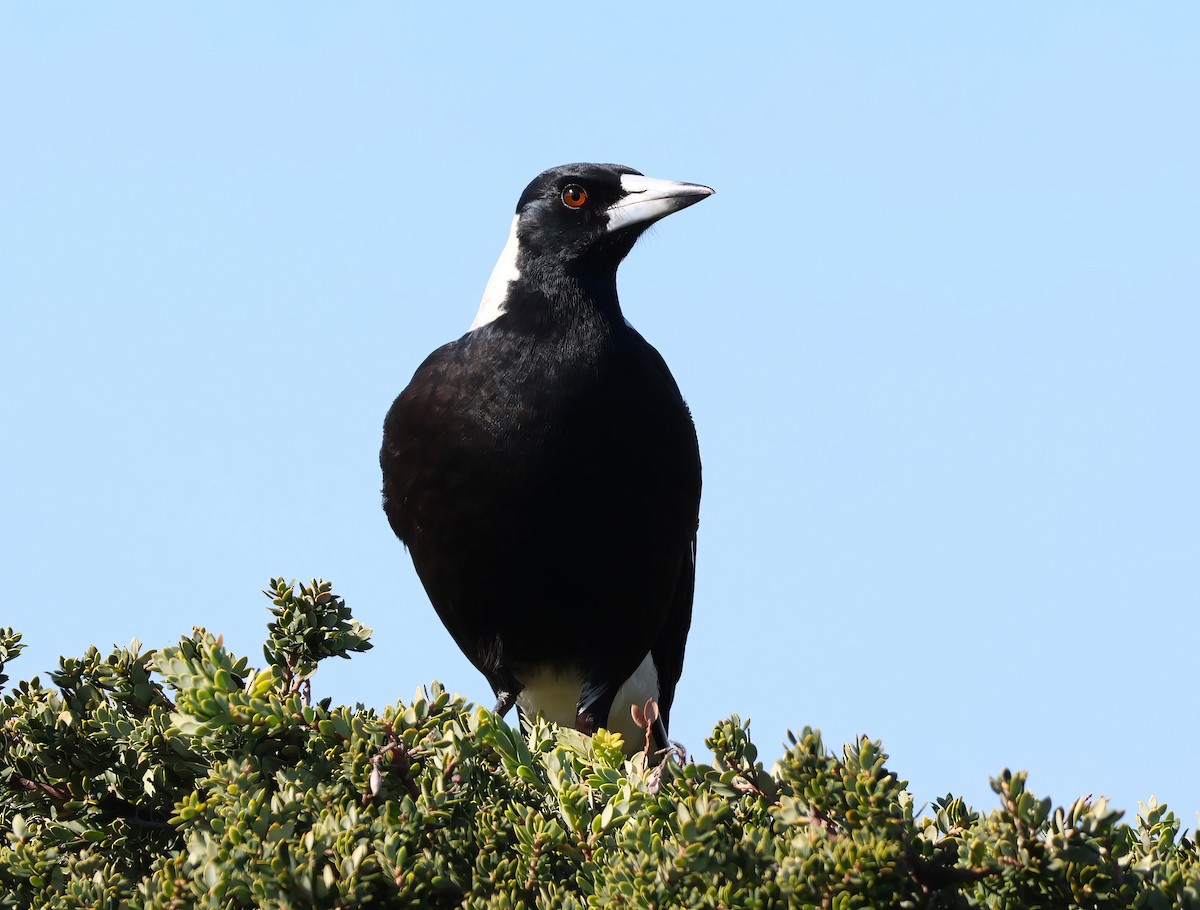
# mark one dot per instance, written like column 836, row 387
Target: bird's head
column 595, row 211
column 577, row 222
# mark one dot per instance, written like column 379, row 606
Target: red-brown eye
column 574, row 196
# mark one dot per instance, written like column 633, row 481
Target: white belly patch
column 556, row 696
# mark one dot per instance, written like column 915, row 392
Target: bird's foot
column 504, row 702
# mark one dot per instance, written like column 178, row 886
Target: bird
column 543, row 470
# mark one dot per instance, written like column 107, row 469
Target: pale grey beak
column 650, row 199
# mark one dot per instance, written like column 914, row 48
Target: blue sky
column 938, row 329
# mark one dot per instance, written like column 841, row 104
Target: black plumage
column 543, row 470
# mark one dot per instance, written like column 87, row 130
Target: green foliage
column 10, row 647
column 183, row 778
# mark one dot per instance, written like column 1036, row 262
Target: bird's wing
column 668, row 650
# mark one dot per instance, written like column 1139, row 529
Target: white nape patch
column 556, row 696
column 495, row 295
column 649, row 199
column 637, row 690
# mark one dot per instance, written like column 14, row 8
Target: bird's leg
column 585, row 722
column 660, row 733
column 506, row 688
column 595, row 704
column 505, row 699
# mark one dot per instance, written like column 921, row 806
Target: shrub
column 185, row 778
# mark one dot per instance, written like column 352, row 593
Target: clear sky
column 939, row 329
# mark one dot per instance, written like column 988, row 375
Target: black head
column 595, row 212
column 574, row 224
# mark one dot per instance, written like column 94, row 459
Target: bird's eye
column 574, row 196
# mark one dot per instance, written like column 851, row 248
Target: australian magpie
column 543, row 469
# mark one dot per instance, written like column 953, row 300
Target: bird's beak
column 648, row 200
